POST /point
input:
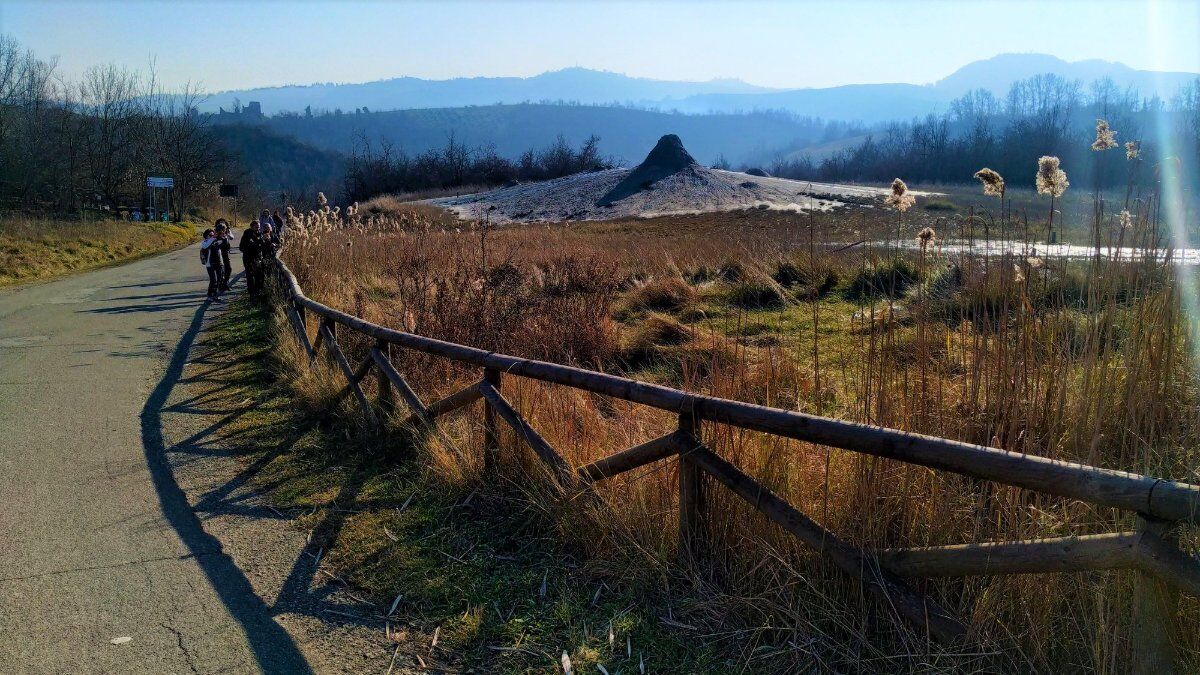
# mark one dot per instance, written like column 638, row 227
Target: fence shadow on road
column 258, row 442
column 274, row 649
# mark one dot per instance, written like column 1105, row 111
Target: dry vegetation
column 39, row 248
column 1087, row 361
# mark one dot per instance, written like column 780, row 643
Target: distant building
column 251, row 112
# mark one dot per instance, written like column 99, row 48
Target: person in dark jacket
column 251, row 248
column 280, row 227
column 224, row 239
column 269, row 248
column 265, row 220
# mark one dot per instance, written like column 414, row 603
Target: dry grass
column 399, row 206
column 40, row 248
column 1084, row 361
column 430, row 193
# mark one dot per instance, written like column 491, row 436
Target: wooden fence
column 1151, row 549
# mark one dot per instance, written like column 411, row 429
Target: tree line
column 378, row 168
column 1042, row 115
column 70, row 146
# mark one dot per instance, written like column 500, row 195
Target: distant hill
column 281, row 164
column 721, row 119
column 819, row 151
column 869, row 103
column 873, row 103
column 578, row 85
column 624, row 133
column 998, row 72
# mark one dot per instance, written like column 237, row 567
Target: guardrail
column 1151, row 549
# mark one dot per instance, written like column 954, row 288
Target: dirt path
column 105, row 566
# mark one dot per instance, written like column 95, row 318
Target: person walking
column 280, row 227
column 224, row 239
column 210, row 257
column 265, row 220
column 267, row 250
column 251, row 248
column 269, row 247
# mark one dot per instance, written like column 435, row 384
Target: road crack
column 187, row 655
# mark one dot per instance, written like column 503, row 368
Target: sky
column 222, row 45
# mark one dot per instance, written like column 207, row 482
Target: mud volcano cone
column 666, row 159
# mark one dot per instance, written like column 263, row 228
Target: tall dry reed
column 1077, row 361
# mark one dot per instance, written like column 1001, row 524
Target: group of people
column 259, row 246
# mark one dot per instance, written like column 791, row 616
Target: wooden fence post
column 303, row 314
column 1155, row 610
column 691, row 492
column 387, row 401
column 491, row 442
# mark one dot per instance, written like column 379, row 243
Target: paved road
column 97, row 541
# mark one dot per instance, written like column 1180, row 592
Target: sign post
column 230, row 191
column 154, row 183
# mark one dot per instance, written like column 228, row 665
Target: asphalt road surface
column 104, row 566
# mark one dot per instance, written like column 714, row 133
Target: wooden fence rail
column 1151, row 550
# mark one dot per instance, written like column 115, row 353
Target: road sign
column 229, row 190
column 160, row 182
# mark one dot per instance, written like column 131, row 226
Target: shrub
column 753, row 294
column 888, row 278
column 1067, row 288
column 943, row 283
column 663, row 294
column 939, row 205
column 692, row 315
column 700, row 359
column 1072, row 334
column 788, row 274
column 700, row 275
column 986, row 303
column 809, row 283
column 731, row 271
column 644, row 342
column 504, row 276
column 822, row 283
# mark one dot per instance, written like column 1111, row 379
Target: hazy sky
column 224, row 45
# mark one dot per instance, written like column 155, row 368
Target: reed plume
column 900, row 198
column 993, row 183
column 1126, row 219
column 926, row 237
column 1106, row 138
column 1051, row 179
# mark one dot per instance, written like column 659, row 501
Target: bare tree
column 114, row 122
column 182, row 143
